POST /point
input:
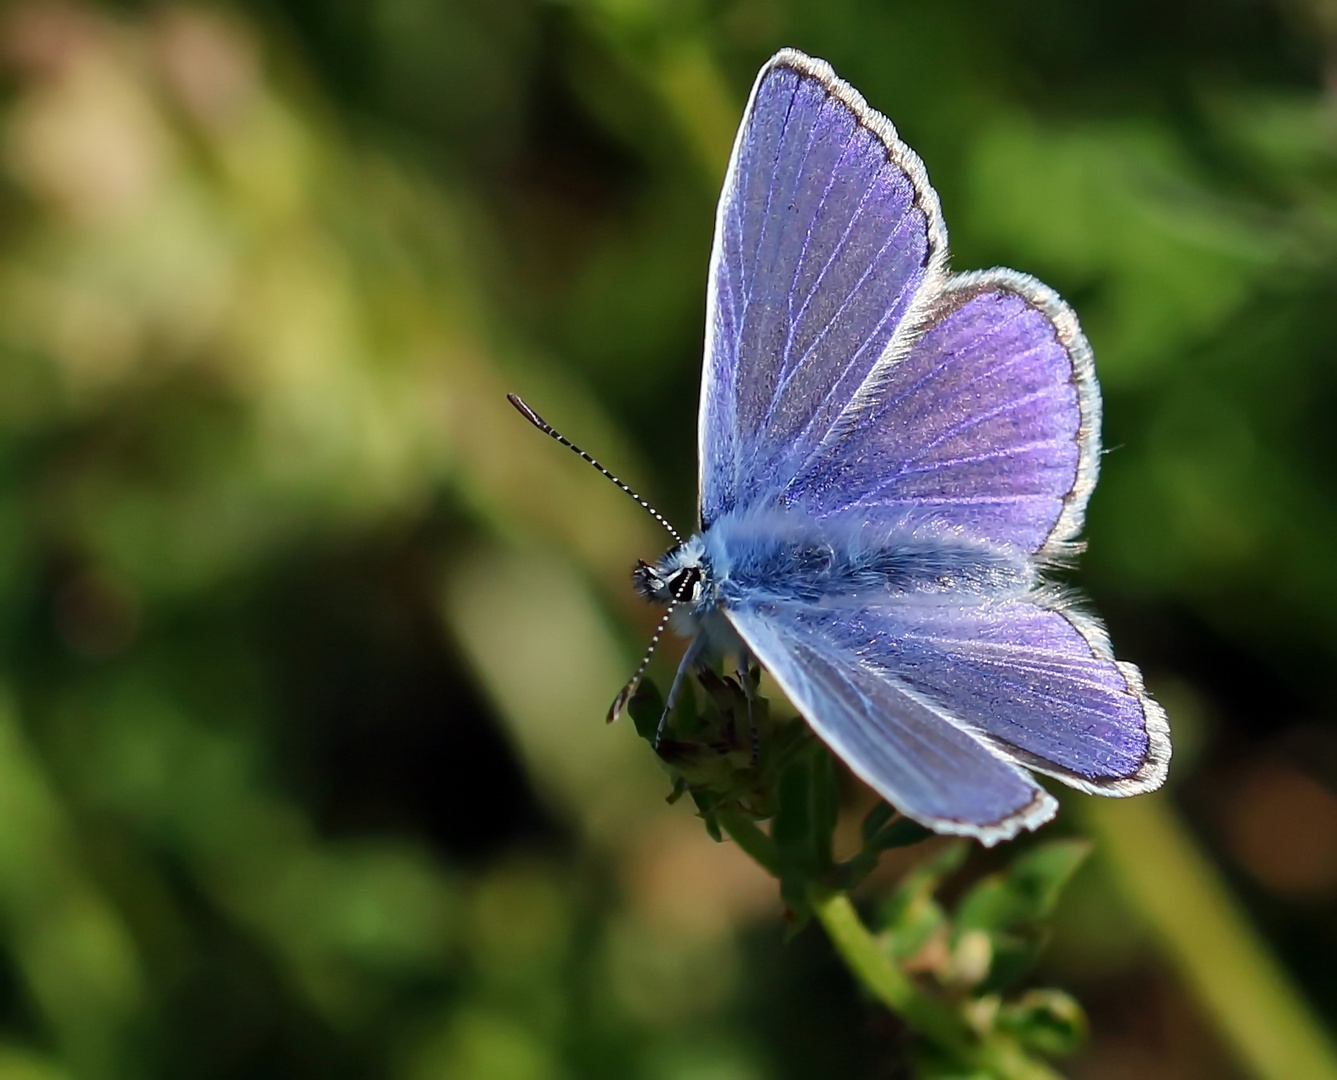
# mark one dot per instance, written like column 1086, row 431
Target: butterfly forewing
column 826, row 235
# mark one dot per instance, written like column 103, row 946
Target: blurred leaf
column 1010, row 909
column 900, row 833
column 1023, row 895
column 883, row 829
column 881, row 815
column 912, row 915
column 645, row 708
column 825, row 798
column 792, row 832
column 1048, row 1021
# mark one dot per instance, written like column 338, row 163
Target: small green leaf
column 875, row 820
column 932, row 1063
column 793, row 816
column 824, row 808
column 1048, row 1021
column 882, row 829
column 911, row 915
column 900, row 833
column 795, row 831
column 1013, row 956
column 1011, row 906
column 690, row 719
column 1025, row 893
column 645, row 708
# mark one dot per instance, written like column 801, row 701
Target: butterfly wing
column 989, row 423
column 937, row 704
column 828, row 238
column 926, row 765
column 1032, row 676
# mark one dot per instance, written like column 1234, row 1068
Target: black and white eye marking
column 679, row 585
column 685, row 584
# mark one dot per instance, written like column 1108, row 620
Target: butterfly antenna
column 547, row 429
column 624, row 695
column 687, row 583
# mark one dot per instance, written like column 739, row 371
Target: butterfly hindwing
column 928, row 768
column 990, row 423
column 1030, row 675
column 926, row 699
column 827, row 238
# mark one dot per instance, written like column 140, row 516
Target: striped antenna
column 624, row 695
column 688, row 582
column 547, row 429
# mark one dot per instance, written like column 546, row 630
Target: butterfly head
column 679, row 577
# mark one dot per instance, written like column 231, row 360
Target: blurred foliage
column 305, row 637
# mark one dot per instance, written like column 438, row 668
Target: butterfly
column 891, row 457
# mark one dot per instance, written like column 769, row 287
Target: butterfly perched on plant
column 891, row 456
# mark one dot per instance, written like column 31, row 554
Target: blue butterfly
column 891, row 455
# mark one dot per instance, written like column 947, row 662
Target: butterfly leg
column 690, row 659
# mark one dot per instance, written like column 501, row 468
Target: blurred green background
column 305, row 637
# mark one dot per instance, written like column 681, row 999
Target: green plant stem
column 936, row 1021
column 745, row 833
column 887, row 982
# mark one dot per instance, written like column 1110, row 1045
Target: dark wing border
column 1059, row 546
column 1155, row 764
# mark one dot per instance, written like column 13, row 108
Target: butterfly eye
column 685, row 584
